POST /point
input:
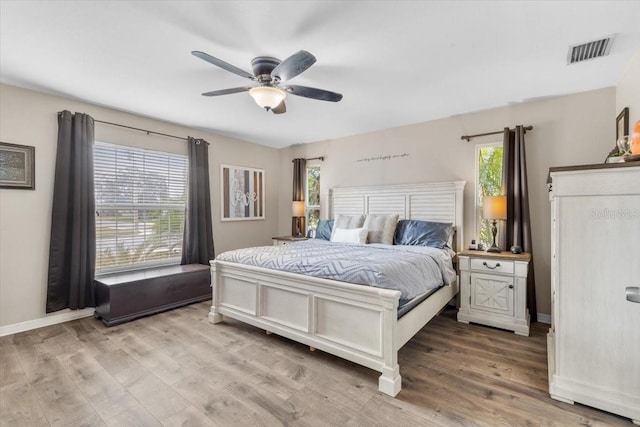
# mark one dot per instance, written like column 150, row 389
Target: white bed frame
column 355, row 322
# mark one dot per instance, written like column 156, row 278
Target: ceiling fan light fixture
column 267, row 97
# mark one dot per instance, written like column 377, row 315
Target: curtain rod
column 321, row 158
column 468, row 137
column 141, row 130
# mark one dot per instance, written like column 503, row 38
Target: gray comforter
column 412, row 270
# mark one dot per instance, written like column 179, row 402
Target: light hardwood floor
column 177, row 369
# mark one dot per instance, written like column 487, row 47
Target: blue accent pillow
column 423, row 233
column 323, row 231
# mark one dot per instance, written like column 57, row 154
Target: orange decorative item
column 635, row 139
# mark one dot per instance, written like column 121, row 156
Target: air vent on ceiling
column 589, row 50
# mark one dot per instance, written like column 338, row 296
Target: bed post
column 390, row 381
column 214, row 316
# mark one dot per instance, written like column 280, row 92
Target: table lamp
column 297, row 210
column 494, row 208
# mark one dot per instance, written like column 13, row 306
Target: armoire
column 594, row 339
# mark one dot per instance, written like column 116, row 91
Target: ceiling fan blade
column 293, row 65
column 226, row 91
column 280, row 109
column 220, row 63
column 313, row 93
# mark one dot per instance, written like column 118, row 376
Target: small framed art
column 622, row 123
column 17, row 166
column 242, row 193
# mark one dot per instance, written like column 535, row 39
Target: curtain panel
column 197, row 242
column 72, row 248
column 517, row 230
column 299, row 187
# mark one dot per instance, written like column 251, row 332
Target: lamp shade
column 267, row 97
column 297, row 208
column 494, row 207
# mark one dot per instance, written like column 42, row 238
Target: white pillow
column 350, row 235
column 381, row 228
column 347, row 221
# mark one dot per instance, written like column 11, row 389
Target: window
column 140, row 203
column 488, row 183
column 313, row 196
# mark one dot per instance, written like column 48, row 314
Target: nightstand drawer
column 492, row 265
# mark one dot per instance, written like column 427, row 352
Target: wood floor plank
column 137, row 416
column 175, row 368
column 19, row 406
column 61, row 401
column 161, row 400
column 189, row 417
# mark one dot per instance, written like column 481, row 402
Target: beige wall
column 30, row 118
column 628, row 91
column 568, row 130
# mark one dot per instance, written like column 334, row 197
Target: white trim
column 544, row 318
column 53, row 319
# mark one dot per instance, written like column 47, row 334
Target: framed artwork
column 622, row 123
column 17, row 166
column 242, row 193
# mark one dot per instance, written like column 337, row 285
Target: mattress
column 412, row 270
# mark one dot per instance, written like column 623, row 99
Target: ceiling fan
column 269, row 73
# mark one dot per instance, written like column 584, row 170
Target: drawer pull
column 491, row 268
column 510, row 286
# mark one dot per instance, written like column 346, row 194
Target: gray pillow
column 381, row 228
column 324, row 229
column 348, row 221
column 423, row 233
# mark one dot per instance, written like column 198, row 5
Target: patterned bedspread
column 412, row 270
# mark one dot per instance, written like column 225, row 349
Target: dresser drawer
column 492, row 265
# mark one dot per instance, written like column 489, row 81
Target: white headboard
column 436, row 201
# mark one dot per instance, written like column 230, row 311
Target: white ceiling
column 396, row 63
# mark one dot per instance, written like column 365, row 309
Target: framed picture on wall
column 622, row 123
column 242, row 193
column 17, row 166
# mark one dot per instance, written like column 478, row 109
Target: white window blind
column 140, row 203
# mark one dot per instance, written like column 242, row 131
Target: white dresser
column 594, row 340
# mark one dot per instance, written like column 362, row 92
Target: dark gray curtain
column 514, row 185
column 299, row 177
column 197, row 244
column 72, row 249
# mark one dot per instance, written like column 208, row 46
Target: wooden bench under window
column 122, row 297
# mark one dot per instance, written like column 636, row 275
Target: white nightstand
column 493, row 289
column 285, row 240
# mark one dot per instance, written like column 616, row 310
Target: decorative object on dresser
column 314, row 311
column 285, row 240
column 493, row 289
column 242, row 193
column 622, row 123
column 494, row 208
column 594, row 340
column 17, row 166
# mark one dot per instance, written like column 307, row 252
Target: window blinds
column 140, row 203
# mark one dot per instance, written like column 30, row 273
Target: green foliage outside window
column 313, row 196
column 489, row 184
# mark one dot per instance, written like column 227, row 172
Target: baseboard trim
column 544, row 318
column 52, row 319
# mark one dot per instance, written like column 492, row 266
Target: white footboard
column 355, row 322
